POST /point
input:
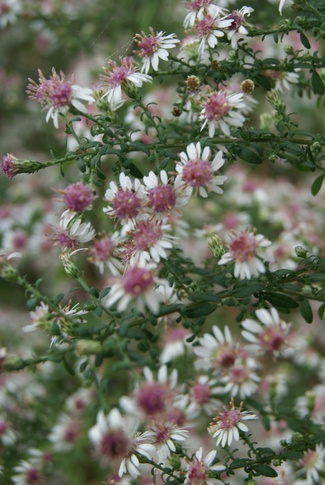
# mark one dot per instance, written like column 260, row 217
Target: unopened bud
column 214, row 65
column 297, row 437
column 311, row 397
column 275, row 100
column 88, row 347
column 216, row 245
column 301, row 252
column 193, row 83
column 70, row 267
column 247, row 86
column 176, row 111
column 265, row 121
column 12, row 166
column 175, row 461
column 130, row 89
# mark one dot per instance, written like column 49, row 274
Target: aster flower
column 219, row 111
column 149, row 240
column 229, row 423
column 57, row 94
column 27, row 473
column 9, row 10
column 126, row 201
column 175, row 344
column 116, row 438
column 199, row 8
column 165, row 196
column 78, row 197
column 281, row 4
column 245, row 250
column 65, row 433
column 137, row 285
column 240, row 379
column 312, row 463
column 218, row 351
column 237, row 30
column 198, row 468
column 268, row 337
column 103, row 253
column 153, row 48
column 118, row 78
column 284, row 80
column 164, row 434
column 198, row 172
column 73, row 232
column 41, row 318
column 208, row 29
column 202, row 396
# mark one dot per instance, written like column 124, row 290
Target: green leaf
column 304, row 40
column 263, row 81
column 248, row 155
column 248, row 289
column 317, row 84
column 135, row 171
column 279, row 300
column 58, row 298
column 321, row 311
column 81, row 165
column 31, row 303
column 265, row 470
column 317, row 185
column 306, row 311
column 139, row 146
column 199, row 310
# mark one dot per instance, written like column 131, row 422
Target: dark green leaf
column 248, row 155
column 58, row 298
column 31, row 303
column 265, row 470
column 240, row 463
column 81, row 165
column 135, row 171
column 264, row 82
column 292, row 455
column 199, row 310
column 100, row 174
column 317, row 185
column 83, row 366
column 317, row 84
column 306, row 311
column 304, row 40
column 204, row 297
column 139, row 146
column 98, row 311
column 68, row 366
column 248, row 289
column 279, row 300
column 321, row 311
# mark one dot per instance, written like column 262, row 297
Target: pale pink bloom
column 65, row 433
column 202, row 396
column 57, row 94
column 137, row 285
column 220, row 111
column 312, row 464
column 78, row 197
column 175, row 344
column 236, row 30
column 118, row 75
column 9, row 10
column 208, row 29
column 153, row 48
column 270, row 335
column 240, row 379
column 27, row 473
column 245, row 249
column 103, row 253
column 199, row 8
column 198, row 468
column 40, row 317
column 73, row 232
column 226, row 427
column 198, row 173
column 125, row 201
column 164, row 434
column 116, row 438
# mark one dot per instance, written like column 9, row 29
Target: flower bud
column 70, row 267
column 216, row 245
column 247, row 86
column 214, row 65
column 193, row 83
column 130, row 89
column 301, row 252
column 88, row 347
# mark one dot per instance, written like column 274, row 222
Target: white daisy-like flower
column 245, row 250
column 65, row 433
column 126, row 200
column 164, row 435
column 165, row 196
column 57, row 93
column 209, row 29
column 240, row 379
column 175, row 344
column 137, row 285
column 284, row 80
column 198, row 173
column 199, row 8
column 9, row 10
column 226, row 427
column 237, row 30
column 116, row 438
column 202, row 397
column 118, row 75
column 268, row 337
column 220, row 111
column 312, row 464
column 281, row 4
column 103, row 253
column 198, row 468
column 40, row 317
column 27, row 473
column 154, row 47
column 73, row 232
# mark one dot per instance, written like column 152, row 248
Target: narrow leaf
column 306, row 311
column 317, row 84
column 317, row 185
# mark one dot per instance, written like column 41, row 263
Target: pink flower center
column 71, row 433
column 243, row 247
column 19, row 240
column 225, row 356
column 8, row 166
column 146, row 234
column 197, row 4
column 237, row 20
column 102, row 249
column 229, row 418
column 201, row 393
column 162, row 198
column 217, row 106
column 238, row 375
column 126, row 204
column 197, row 473
column 60, row 94
column 152, row 398
column 119, row 73
column 206, row 26
column 309, row 459
column 162, row 433
column 115, row 444
column 33, row 476
column 272, row 338
column 176, row 416
column 66, row 241
column 197, row 173
column 137, row 280
column 78, row 197
column 148, row 44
